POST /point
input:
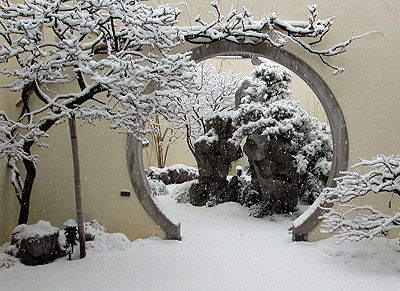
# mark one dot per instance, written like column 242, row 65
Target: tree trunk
column 77, row 182
column 27, row 190
column 23, row 212
column 29, row 165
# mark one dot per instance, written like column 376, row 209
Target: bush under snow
column 268, row 110
column 174, row 174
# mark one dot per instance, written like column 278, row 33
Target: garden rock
column 36, row 244
column 273, row 173
column 214, row 155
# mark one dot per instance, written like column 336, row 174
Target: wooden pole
column 77, row 182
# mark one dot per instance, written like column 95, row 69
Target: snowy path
column 222, row 249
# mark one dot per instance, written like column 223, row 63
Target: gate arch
column 308, row 75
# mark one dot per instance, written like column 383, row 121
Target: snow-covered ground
column 222, row 249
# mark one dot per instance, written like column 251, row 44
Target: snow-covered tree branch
column 241, row 27
column 355, row 222
column 91, row 59
column 215, row 92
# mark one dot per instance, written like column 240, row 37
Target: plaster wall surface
column 368, row 93
column 368, row 90
column 103, row 175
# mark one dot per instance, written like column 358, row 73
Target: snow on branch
column 240, row 27
column 356, row 222
column 90, row 59
column 215, row 93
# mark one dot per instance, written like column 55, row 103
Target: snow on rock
column 168, row 214
column 40, row 229
column 210, row 137
column 35, row 244
column 179, row 167
column 308, row 213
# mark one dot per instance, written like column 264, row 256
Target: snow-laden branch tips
column 88, row 59
column 215, row 94
column 241, row 27
column 92, row 59
column 355, row 222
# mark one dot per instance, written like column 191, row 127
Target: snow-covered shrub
column 249, row 196
column 93, row 228
column 181, row 192
column 268, row 110
column 257, row 210
column 356, row 222
column 7, row 261
column 174, row 174
column 158, row 188
column 108, row 242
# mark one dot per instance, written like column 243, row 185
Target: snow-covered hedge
column 181, row 192
column 157, row 187
column 175, row 174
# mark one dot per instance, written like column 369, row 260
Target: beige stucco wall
column 103, row 174
column 368, row 90
column 368, row 93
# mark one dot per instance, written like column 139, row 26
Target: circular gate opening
column 308, row 75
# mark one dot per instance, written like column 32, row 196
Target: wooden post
column 77, row 182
